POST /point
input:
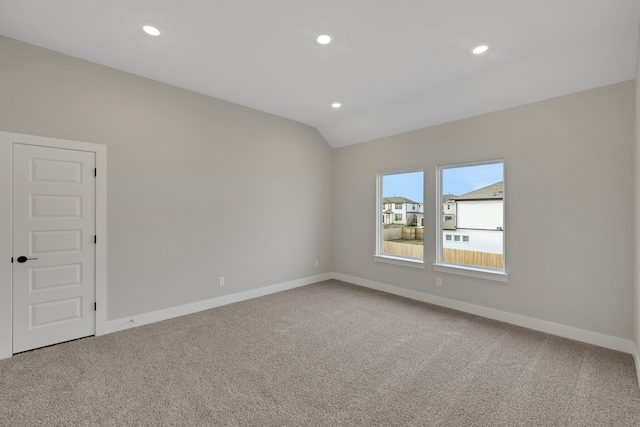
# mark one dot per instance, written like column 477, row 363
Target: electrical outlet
column 221, row 281
column 438, row 281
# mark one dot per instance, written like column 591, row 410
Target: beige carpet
column 325, row 354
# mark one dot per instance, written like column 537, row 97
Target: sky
column 462, row 180
column 408, row 185
column 458, row 181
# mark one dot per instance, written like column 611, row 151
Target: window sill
column 479, row 273
column 406, row 262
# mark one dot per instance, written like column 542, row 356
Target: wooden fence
column 392, row 233
column 480, row 259
column 403, row 233
column 390, row 247
column 456, row 256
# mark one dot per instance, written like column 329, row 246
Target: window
column 474, row 193
column 399, row 236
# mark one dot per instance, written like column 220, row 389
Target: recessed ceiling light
column 151, row 30
column 324, row 38
column 336, row 105
column 480, row 49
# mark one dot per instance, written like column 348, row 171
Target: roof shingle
column 493, row 191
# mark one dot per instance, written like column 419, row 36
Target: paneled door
column 53, row 245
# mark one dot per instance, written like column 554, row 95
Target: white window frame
column 499, row 275
column 379, row 256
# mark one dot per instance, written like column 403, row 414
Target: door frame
column 7, row 141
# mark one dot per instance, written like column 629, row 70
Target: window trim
column 478, row 273
column 379, row 256
column 499, row 275
column 396, row 260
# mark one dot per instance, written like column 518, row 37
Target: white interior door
column 54, row 224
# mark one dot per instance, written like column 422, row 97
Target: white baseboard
column 636, row 357
column 589, row 337
column 171, row 312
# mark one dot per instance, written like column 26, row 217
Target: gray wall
column 197, row 187
column 569, row 168
column 200, row 188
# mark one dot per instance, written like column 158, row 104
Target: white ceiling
column 395, row 65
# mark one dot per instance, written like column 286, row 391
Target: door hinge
column 95, row 171
column 95, row 239
column 11, row 260
column 95, row 306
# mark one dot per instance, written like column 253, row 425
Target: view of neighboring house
column 474, row 221
column 449, row 212
column 400, row 210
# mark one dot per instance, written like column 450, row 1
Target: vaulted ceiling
column 393, row 65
